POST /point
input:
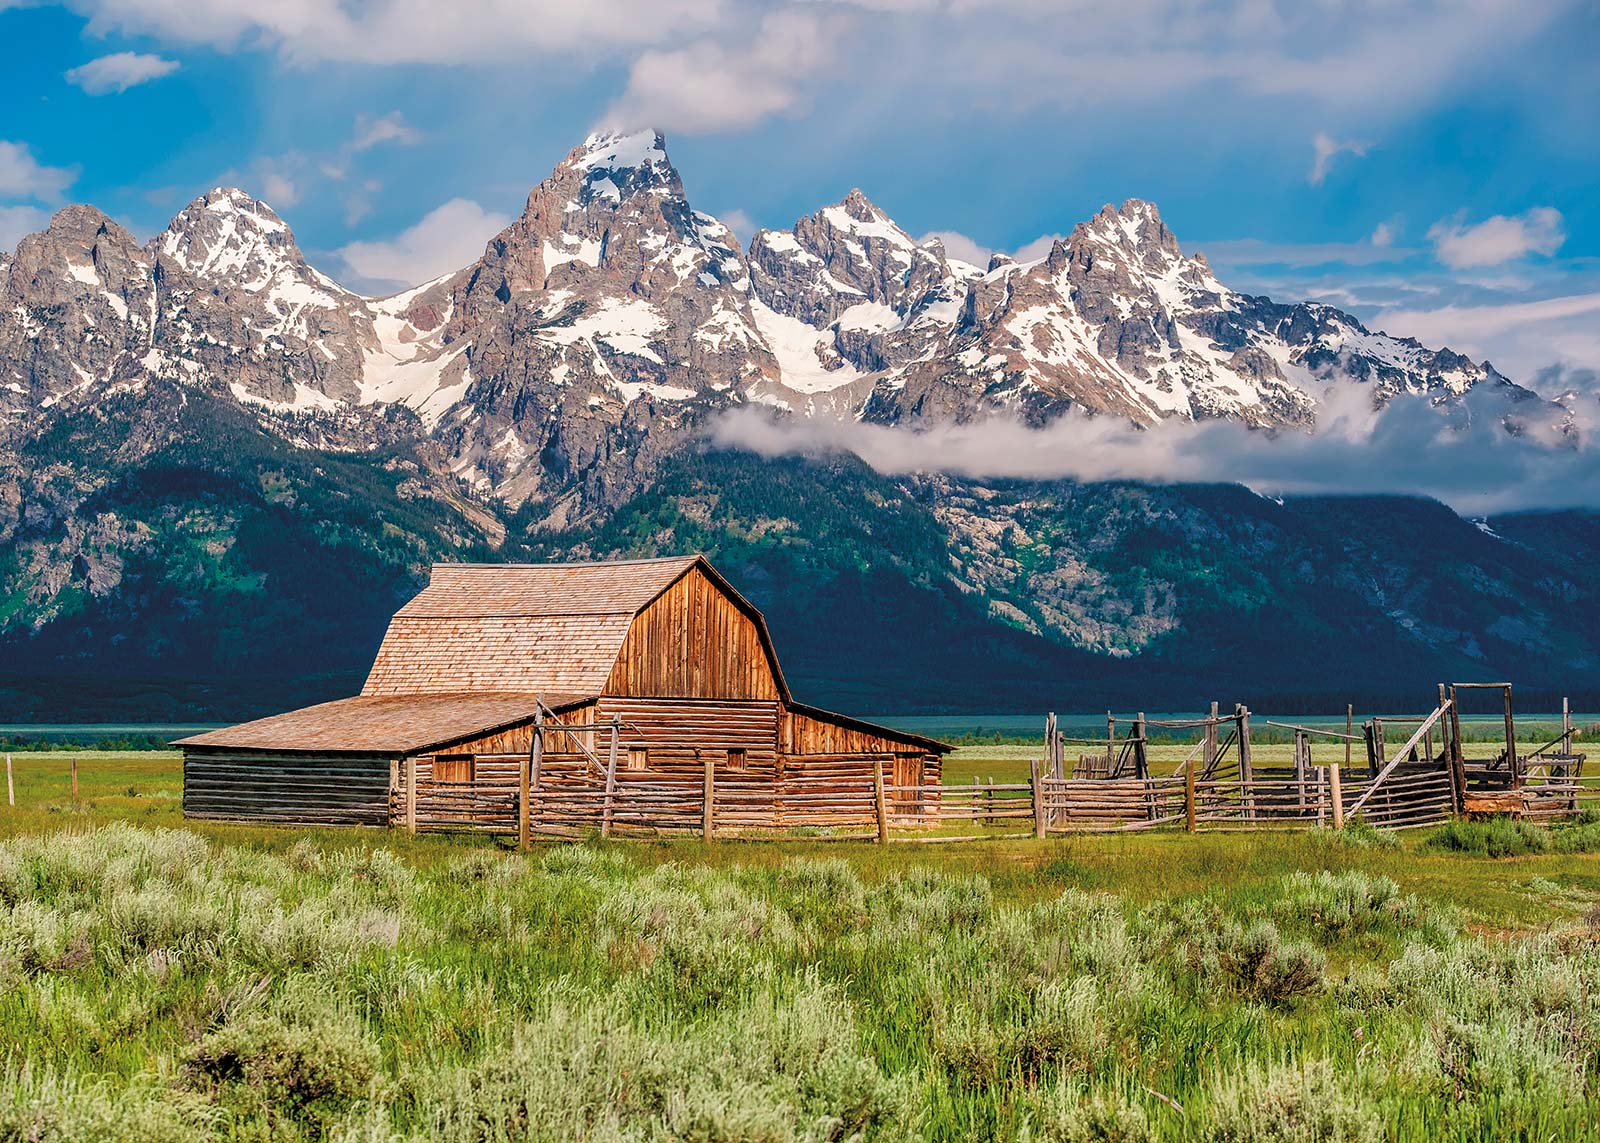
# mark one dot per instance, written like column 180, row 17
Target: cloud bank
column 1463, row 457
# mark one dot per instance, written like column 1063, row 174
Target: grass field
column 162, row 981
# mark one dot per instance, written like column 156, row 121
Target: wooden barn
column 501, row 685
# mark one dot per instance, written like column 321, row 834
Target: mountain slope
column 216, row 463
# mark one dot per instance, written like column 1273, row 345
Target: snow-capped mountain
column 600, row 328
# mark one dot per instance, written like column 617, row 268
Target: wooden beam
column 1511, row 742
column 708, row 798
column 411, row 794
column 1037, row 788
column 879, row 802
column 1189, row 815
column 611, row 778
column 1336, row 786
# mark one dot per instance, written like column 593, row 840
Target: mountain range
column 220, row 469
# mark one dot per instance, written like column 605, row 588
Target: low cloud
column 968, row 249
column 1497, row 240
column 23, row 176
column 742, row 225
column 721, row 84
column 1326, row 148
column 119, row 71
column 1521, row 338
column 446, row 238
column 1463, row 457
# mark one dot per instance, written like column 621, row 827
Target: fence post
column 879, row 802
column 1322, row 793
column 1209, row 751
column 411, row 794
column 708, row 796
column 1190, row 821
column 988, row 801
column 11, row 791
column 535, row 765
column 611, row 778
column 1038, row 797
column 1246, row 772
column 1337, row 789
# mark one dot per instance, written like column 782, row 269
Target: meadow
column 162, row 980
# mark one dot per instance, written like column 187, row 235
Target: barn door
column 908, row 774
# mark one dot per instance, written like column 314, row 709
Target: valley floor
column 171, row 980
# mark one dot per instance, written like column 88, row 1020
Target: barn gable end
column 698, row 639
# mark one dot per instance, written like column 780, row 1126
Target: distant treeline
column 29, row 743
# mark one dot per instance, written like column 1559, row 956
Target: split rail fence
column 1218, row 785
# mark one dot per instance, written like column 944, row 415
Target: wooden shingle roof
column 401, row 724
column 518, row 627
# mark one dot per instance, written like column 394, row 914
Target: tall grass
column 157, row 985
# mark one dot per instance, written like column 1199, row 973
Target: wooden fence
column 870, row 809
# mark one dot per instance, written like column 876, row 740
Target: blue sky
column 1431, row 167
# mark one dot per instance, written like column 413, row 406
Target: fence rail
column 1043, row 806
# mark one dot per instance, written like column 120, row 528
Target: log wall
column 328, row 790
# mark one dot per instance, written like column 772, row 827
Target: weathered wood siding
column 694, row 642
column 678, row 736
column 329, row 790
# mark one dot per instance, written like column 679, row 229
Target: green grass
column 223, row 982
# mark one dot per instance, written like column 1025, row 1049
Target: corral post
column 1209, row 751
column 1037, row 787
column 988, row 801
column 1566, row 725
column 1111, row 742
column 1337, row 790
column 1322, row 793
column 1511, row 742
column 535, row 764
column 394, row 788
column 879, row 802
column 1302, row 762
column 1141, row 760
column 411, row 794
column 708, row 796
column 74, row 781
column 1452, row 757
column 611, row 778
column 1190, row 821
column 1246, row 773
column 1349, row 730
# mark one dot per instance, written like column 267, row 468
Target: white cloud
column 119, row 71
column 446, row 238
column 1326, row 148
column 278, row 189
column 408, row 31
column 390, row 128
column 742, row 225
column 1499, row 239
column 23, row 176
column 1521, row 338
column 16, row 222
column 1038, row 248
column 720, row 84
column 1463, row 457
column 1382, row 235
column 960, row 247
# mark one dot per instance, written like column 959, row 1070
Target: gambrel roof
column 528, row 628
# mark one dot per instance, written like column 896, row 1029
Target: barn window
column 736, row 757
column 638, row 758
column 453, row 768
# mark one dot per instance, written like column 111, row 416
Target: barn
column 505, row 684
